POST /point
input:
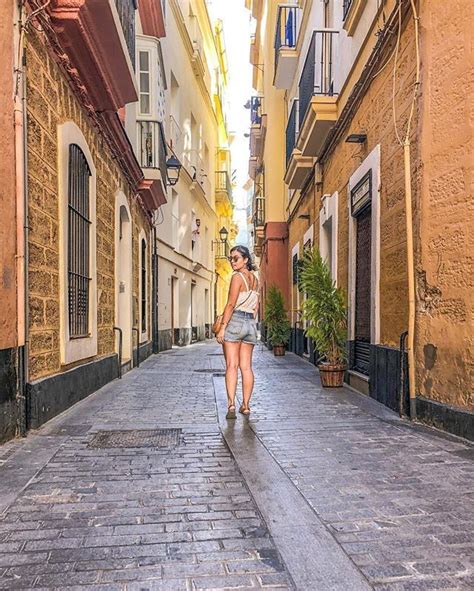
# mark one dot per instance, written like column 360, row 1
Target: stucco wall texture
column 8, row 280
column 445, row 257
column 51, row 102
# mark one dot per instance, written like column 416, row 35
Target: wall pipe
column 21, row 196
column 402, row 393
column 120, row 331
column 154, row 296
column 135, row 329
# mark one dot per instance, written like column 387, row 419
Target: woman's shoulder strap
column 245, row 280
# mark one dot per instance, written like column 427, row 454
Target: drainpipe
column 409, row 221
column 21, row 194
column 154, row 295
column 411, row 280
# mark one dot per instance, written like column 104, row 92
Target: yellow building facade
column 199, row 204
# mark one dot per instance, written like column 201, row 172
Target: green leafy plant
column 276, row 317
column 324, row 309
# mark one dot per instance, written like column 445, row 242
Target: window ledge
column 353, row 16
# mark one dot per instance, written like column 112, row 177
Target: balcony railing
column 317, row 77
column 256, row 110
column 346, row 6
column 259, row 212
column 222, row 249
column 223, row 182
column 126, row 11
column 286, row 31
column 152, row 146
column 291, row 130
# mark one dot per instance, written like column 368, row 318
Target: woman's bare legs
column 245, row 362
column 231, row 354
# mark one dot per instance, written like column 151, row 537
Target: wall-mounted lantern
column 173, row 169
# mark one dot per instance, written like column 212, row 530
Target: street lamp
column 223, row 234
column 173, row 168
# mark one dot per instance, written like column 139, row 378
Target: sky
column 237, row 27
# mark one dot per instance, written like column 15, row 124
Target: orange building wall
column 8, row 279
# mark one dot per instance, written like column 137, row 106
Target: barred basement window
column 78, row 242
column 143, row 280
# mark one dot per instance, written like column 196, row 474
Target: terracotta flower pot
column 332, row 376
column 278, row 350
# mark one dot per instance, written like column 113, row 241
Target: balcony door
column 363, row 294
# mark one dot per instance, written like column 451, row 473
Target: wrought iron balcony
column 286, row 35
column 346, row 6
column 152, row 146
column 126, row 11
column 222, row 249
column 291, row 130
column 259, row 212
column 256, row 110
column 223, row 182
column 317, row 77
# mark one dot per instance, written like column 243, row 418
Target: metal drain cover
column 217, row 372
column 136, row 438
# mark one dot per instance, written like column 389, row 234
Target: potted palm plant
column 276, row 320
column 325, row 311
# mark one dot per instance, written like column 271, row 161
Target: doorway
column 363, row 295
column 173, row 310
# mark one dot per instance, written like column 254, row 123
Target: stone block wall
column 445, row 259
column 51, row 102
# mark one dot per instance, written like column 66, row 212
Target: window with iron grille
column 143, row 285
column 295, row 269
column 78, row 242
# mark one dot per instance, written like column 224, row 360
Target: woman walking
column 238, row 333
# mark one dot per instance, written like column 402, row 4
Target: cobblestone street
column 318, row 490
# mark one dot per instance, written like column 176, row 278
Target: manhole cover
column 136, row 438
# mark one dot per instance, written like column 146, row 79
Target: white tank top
column 247, row 300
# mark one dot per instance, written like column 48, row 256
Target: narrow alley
column 145, row 486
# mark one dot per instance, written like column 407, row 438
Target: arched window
column 78, row 260
column 143, row 285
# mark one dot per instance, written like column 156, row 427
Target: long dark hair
column 245, row 252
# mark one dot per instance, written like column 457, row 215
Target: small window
column 78, row 242
column 143, row 286
column 295, row 269
column 144, row 82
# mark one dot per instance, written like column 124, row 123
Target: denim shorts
column 242, row 327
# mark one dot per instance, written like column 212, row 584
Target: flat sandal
column 231, row 412
column 244, row 410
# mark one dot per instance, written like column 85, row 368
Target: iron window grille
column 79, row 224
column 346, row 6
column 291, row 130
column 317, row 77
column 143, row 285
column 296, row 267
